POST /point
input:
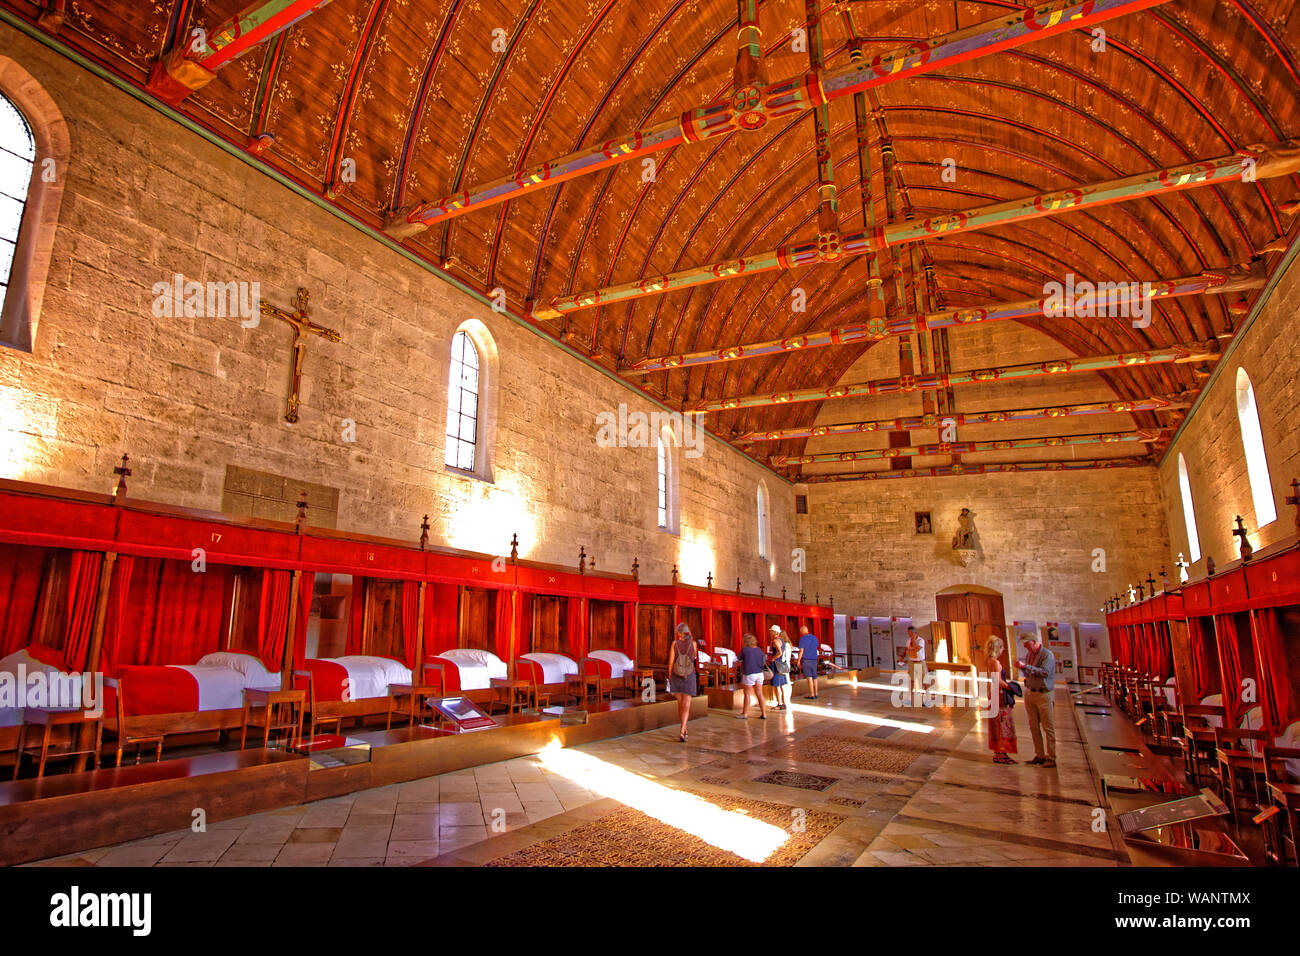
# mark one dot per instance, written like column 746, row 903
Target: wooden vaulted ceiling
column 431, row 98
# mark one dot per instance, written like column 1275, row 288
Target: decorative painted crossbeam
column 194, row 63
column 1145, row 436
column 1251, row 163
column 963, row 469
column 1088, row 301
column 964, row 418
column 1196, row 352
column 752, row 108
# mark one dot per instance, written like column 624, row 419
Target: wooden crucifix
column 1294, row 499
column 301, row 326
column 122, row 472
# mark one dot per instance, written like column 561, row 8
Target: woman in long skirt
column 1002, row 725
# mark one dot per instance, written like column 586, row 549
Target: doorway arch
column 968, row 615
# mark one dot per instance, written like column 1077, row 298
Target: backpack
column 683, row 665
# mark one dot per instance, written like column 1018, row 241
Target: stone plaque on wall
column 260, row 494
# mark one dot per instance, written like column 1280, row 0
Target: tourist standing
column 752, row 662
column 683, row 683
column 1002, row 725
column 1039, row 668
column 809, row 650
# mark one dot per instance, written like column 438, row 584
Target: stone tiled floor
column 950, row 806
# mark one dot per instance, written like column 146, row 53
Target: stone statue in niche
column 965, row 543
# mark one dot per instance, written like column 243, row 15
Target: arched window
column 661, row 456
column 462, row 404
column 17, row 162
column 1252, row 439
column 762, row 520
column 34, row 151
column 1189, row 513
column 666, row 479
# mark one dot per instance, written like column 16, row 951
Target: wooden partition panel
column 606, row 625
column 478, row 618
column 383, row 635
column 748, row 624
column 722, row 636
column 693, row 617
column 654, row 633
column 246, row 611
column 548, row 623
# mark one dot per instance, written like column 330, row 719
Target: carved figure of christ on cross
column 301, row 326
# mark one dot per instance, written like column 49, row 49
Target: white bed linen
column 554, row 666
column 12, row 716
column 725, row 655
column 222, row 688
column 370, row 676
column 477, row 668
column 618, row 661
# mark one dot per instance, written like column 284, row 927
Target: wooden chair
column 125, row 738
column 273, row 710
column 1197, row 739
column 1283, row 799
column 1238, row 766
column 303, row 680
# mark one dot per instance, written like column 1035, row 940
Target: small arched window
column 17, row 163
column 1189, row 513
column 666, row 479
column 762, row 520
column 462, row 404
column 1252, row 440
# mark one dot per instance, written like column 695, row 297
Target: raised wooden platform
column 68, row 813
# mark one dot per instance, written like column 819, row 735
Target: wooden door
column 605, row 627
column 478, row 618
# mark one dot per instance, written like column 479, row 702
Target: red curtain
column 410, row 620
column 505, row 608
column 1225, row 633
column 273, row 617
column 706, row 617
column 83, row 594
column 1271, row 664
column 306, row 585
column 118, row 592
column 1205, row 672
column 737, row 631
column 1162, row 658
column 356, row 617
column 441, row 616
column 575, row 626
column 524, row 624
column 171, row 613
column 629, row 630
column 20, row 594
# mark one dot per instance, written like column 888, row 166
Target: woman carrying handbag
column 1002, row 725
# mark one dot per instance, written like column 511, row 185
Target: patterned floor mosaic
column 856, row 752
column 629, row 837
column 804, row 781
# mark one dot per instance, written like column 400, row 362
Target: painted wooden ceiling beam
column 962, row 469
column 1262, row 162
column 192, row 65
column 785, row 98
column 1193, row 352
column 1145, row 436
column 1234, row 279
column 1155, row 404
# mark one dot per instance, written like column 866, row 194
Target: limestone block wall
column 1211, row 444
column 145, row 199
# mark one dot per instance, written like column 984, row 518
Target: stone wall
column 1211, row 439
column 145, row 199
column 1041, row 534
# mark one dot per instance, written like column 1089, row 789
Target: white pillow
column 471, row 655
column 251, row 667
column 725, row 655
